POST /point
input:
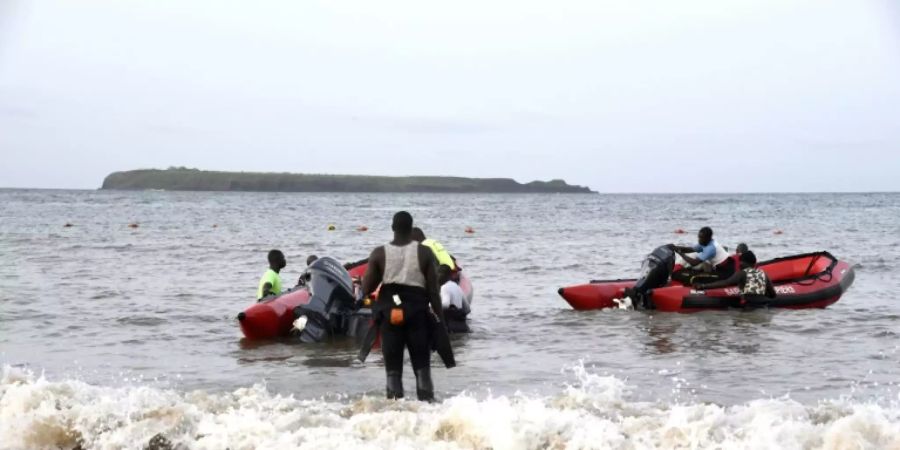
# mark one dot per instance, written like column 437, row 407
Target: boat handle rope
column 812, row 262
column 828, row 272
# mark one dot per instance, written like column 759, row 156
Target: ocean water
column 112, row 336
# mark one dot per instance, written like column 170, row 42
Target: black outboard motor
column 331, row 301
column 655, row 272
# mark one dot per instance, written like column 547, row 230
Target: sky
column 621, row 96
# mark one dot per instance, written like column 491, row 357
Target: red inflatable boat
column 274, row 318
column 813, row 280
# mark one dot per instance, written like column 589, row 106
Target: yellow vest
column 440, row 253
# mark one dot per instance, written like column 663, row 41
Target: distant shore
column 184, row 179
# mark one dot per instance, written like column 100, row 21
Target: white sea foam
column 593, row 412
column 623, row 303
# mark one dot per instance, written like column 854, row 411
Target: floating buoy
column 215, row 225
column 470, row 230
column 68, row 225
column 332, row 228
column 362, row 228
column 133, row 225
column 777, row 232
column 680, row 231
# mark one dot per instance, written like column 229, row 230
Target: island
column 186, row 179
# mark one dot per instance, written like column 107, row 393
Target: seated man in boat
column 735, row 259
column 444, row 258
column 755, row 286
column 304, row 278
column 270, row 283
column 711, row 262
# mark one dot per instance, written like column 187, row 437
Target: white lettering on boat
column 785, row 290
column 778, row 290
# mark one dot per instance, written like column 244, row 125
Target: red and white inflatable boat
column 813, row 280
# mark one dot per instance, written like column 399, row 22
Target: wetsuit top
column 442, row 255
column 401, row 265
column 754, row 282
column 272, row 278
column 713, row 253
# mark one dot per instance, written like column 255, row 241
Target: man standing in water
column 409, row 293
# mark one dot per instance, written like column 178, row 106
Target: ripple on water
column 106, row 294
column 142, row 321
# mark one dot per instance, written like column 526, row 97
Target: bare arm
column 683, row 251
column 266, row 290
column 770, row 289
column 428, row 264
column 374, row 272
column 734, row 280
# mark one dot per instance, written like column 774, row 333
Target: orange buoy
column 133, row 225
column 362, row 228
column 680, row 231
column 68, row 225
column 470, row 230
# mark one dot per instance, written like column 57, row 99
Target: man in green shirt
column 270, row 283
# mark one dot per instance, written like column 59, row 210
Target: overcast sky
column 622, row 96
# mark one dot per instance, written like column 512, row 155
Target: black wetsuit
column 405, row 319
column 413, row 334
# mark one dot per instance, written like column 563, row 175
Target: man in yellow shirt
column 440, row 253
column 270, row 283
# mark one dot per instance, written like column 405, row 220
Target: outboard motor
column 331, row 301
column 655, row 272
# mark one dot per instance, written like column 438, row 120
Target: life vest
column 443, row 257
column 754, row 282
column 401, row 265
column 735, row 260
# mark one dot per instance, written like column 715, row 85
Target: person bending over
column 444, row 258
column 452, row 295
column 755, row 286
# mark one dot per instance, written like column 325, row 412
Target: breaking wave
column 594, row 411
